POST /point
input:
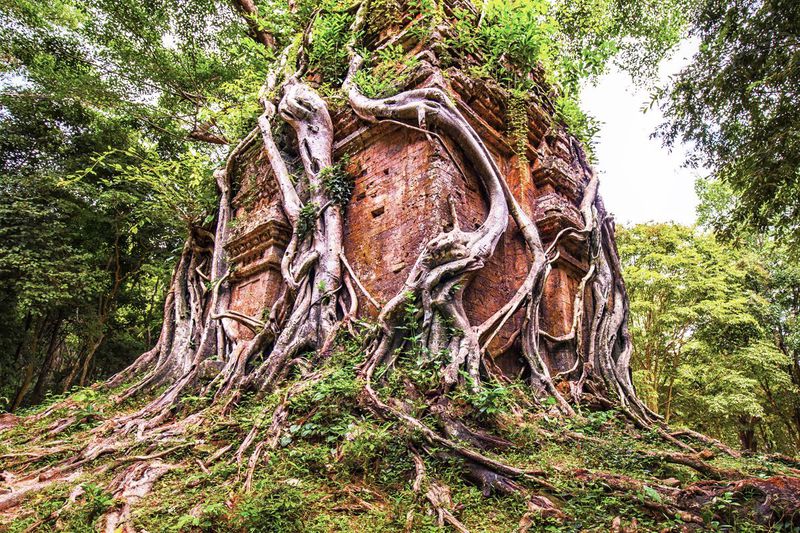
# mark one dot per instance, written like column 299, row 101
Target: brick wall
column 402, row 185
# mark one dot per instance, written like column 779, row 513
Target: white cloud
column 640, row 180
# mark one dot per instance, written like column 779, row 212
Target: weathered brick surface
column 398, row 203
column 402, row 185
column 258, row 237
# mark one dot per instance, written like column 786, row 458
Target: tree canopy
column 710, row 333
column 736, row 104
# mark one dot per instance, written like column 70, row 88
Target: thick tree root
column 444, row 268
column 19, row 489
column 696, row 462
column 633, row 489
column 439, row 497
column 778, row 501
column 128, row 487
column 706, row 440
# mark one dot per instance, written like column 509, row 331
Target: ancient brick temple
column 402, row 185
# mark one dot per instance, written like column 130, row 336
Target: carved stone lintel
column 556, row 174
column 259, row 249
column 553, row 212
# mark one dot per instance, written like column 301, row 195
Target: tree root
column 696, row 462
column 278, row 419
column 18, row 490
column 438, row 495
column 780, row 503
column 633, row 489
column 130, row 486
column 76, row 493
column 8, row 420
column 705, row 439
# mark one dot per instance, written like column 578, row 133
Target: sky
column 640, row 180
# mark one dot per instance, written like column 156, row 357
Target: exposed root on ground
column 128, row 487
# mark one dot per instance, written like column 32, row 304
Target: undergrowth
column 338, row 468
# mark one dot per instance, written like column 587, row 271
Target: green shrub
column 337, row 182
column 94, row 502
column 387, row 72
column 328, row 52
column 307, row 219
column 490, row 399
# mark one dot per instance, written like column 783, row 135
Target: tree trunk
column 47, row 364
column 82, row 365
column 27, row 379
column 747, row 434
column 87, row 360
column 31, row 350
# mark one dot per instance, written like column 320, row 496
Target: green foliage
column 594, row 422
column 307, row 219
column 179, row 188
column 513, row 40
column 411, row 315
column 382, row 13
column 368, row 446
column 566, row 43
column 490, row 399
column 88, row 259
column 337, row 182
column 97, row 500
column 209, row 516
column 518, row 124
column 633, row 35
column 272, row 509
column 343, row 470
column 426, row 15
column 79, row 259
column 736, row 104
column 516, row 39
column 416, row 361
column 328, row 52
column 583, row 126
column 707, row 333
column 88, row 507
column 386, row 72
column 161, row 65
column 341, row 385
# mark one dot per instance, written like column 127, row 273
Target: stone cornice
column 259, row 249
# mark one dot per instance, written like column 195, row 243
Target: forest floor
column 326, row 464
